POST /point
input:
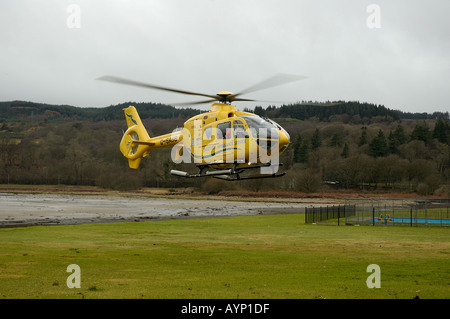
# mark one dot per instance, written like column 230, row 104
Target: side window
column 224, row 130
column 208, row 133
column 239, row 129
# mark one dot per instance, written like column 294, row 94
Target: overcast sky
column 399, row 58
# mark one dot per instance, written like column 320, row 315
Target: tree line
column 370, row 153
column 350, row 111
column 30, row 111
column 353, row 111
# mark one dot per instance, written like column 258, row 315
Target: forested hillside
column 30, row 111
column 350, row 145
column 347, row 111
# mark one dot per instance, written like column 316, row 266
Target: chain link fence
column 401, row 212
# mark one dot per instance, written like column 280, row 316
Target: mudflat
column 22, row 209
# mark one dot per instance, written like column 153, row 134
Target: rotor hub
column 224, row 96
column 224, row 93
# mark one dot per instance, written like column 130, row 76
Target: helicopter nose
column 283, row 140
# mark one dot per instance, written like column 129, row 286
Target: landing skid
column 231, row 174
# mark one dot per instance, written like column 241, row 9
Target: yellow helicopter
column 224, row 143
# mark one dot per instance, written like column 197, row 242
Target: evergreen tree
column 316, row 140
column 378, row 147
column 363, row 137
column 400, row 134
column 421, row 132
column 297, row 145
column 392, row 143
column 345, row 151
column 336, row 140
column 441, row 131
column 396, row 138
column 259, row 111
column 301, row 153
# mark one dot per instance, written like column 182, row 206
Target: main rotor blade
column 275, row 80
column 245, row 100
column 210, row 101
column 192, row 103
column 149, row 86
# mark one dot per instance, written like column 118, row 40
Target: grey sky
column 212, row 45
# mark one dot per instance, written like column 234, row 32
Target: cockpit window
column 257, row 122
column 279, row 127
column 260, row 127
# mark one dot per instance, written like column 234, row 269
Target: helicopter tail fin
column 135, row 143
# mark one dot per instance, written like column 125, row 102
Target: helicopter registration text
column 168, row 140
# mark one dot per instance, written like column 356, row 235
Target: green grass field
column 273, row 256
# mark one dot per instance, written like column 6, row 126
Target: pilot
column 228, row 133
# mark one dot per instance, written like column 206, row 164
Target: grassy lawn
column 275, row 256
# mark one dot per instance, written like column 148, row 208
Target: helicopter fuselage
column 220, row 138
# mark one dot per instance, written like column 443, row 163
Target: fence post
column 410, row 215
column 373, row 216
column 339, row 213
column 447, row 209
column 345, row 216
column 393, row 213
